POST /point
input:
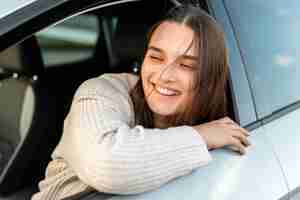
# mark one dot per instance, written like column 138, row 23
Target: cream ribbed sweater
column 102, row 149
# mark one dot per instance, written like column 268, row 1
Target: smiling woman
column 120, row 137
column 167, row 71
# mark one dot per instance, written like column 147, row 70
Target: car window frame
column 242, row 98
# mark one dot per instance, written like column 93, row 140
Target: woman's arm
column 107, row 154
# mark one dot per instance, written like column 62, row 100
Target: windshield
column 12, row 6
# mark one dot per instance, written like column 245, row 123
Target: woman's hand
column 224, row 132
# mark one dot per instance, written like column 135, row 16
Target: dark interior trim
column 40, row 15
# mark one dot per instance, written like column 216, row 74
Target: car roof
column 14, row 5
column 17, row 12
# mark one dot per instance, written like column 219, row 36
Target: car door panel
column 256, row 175
column 284, row 135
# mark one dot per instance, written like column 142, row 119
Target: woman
column 126, row 134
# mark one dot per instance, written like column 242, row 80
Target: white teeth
column 165, row 91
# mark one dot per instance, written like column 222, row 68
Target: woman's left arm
column 109, row 155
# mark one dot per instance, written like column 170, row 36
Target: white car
column 49, row 47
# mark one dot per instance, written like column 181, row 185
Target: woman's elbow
column 111, row 179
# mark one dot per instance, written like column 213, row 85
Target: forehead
column 174, row 39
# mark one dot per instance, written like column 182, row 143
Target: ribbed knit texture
column 102, row 149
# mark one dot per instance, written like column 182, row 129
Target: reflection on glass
column 284, row 60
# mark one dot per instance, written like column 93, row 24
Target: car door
column 256, row 175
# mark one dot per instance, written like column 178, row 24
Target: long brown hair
column 209, row 101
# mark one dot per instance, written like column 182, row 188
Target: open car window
column 70, row 41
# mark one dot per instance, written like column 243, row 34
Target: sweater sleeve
column 113, row 157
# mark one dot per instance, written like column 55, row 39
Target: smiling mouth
column 165, row 91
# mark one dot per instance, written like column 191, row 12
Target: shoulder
column 108, row 84
column 122, row 81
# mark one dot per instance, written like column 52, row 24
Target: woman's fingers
column 244, row 131
column 237, row 145
column 240, row 133
column 243, row 139
column 234, row 148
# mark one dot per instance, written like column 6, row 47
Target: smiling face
column 168, row 70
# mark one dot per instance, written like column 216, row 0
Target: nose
column 168, row 71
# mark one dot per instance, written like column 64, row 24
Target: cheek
column 145, row 76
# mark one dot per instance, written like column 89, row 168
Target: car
column 48, row 48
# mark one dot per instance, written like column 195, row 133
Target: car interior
column 35, row 99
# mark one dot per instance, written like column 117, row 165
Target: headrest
column 24, row 58
column 129, row 38
column 129, row 43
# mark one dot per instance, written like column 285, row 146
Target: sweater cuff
column 198, row 135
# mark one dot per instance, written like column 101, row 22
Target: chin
column 162, row 111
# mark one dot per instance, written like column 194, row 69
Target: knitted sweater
column 102, row 149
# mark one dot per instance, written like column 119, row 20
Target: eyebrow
column 195, row 58
column 155, row 49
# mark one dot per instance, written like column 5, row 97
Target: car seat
column 28, row 125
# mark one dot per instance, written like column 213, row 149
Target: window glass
column 70, row 41
column 268, row 34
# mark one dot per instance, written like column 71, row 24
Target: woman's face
column 169, row 69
